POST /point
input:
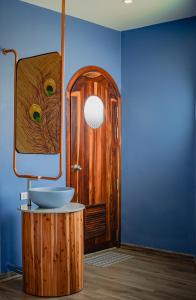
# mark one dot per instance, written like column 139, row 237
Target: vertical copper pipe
column 62, row 86
column 5, row 52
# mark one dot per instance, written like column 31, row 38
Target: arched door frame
column 70, row 85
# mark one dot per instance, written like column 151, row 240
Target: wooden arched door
column 94, row 156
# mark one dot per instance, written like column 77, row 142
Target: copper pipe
column 62, row 87
column 7, row 51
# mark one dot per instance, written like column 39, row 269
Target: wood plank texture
column 144, row 277
column 42, row 137
column 98, row 152
column 52, row 253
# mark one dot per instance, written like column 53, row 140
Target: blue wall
column 158, row 88
column 33, row 30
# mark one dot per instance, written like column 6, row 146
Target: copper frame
column 13, row 51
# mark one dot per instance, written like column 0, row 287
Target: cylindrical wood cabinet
column 53, row 251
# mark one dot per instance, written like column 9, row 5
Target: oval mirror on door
column 94, row 112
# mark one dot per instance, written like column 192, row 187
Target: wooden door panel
column 97, row 152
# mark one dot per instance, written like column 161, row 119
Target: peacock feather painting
column 38, row 105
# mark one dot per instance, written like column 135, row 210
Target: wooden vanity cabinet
column 52, row 244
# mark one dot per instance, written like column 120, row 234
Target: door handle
column 76, row 168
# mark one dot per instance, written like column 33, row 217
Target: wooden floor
column 143, row 277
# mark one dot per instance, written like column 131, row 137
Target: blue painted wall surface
column 33, row 30
column 158, row 89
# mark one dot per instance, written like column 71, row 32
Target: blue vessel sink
column 51, row 197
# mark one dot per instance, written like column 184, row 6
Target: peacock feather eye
column 50, row 87
column 35, row 113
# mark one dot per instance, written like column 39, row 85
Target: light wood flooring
column 146, row 276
